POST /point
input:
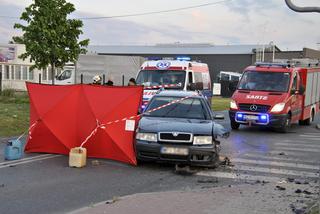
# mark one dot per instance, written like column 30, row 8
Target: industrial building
column 219, row 57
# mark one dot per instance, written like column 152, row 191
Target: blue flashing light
column 154, row 58
column 239, row 116
column 263, row 117
column 183, row 58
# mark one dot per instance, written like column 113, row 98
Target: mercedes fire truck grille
column 254, row 108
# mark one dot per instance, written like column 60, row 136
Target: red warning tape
column 103, row 126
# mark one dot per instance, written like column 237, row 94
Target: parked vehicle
column 113, row 68
column 184, row 132
column 277, row 95
column 228, row 76
column 180, row 74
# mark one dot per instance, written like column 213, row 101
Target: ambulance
column 178, row 74
column 277, row 95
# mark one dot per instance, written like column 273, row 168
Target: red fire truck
column 277, row 95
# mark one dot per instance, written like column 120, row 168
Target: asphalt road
column 43, row 183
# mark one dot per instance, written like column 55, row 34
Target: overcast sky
column 232, row 22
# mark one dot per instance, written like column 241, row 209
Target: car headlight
column 147, row 137
column 233, row 104
column 278, row 107
column 202, row 140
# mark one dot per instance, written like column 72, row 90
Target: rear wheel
column 310, row 120
column 286, row 125
column 307, row 122
column 234, row 125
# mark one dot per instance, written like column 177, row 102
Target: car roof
column 176, row 93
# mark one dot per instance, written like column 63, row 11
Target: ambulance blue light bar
column 183, row 58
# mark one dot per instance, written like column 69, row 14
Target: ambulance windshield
column 265, row 81
column 162, row 77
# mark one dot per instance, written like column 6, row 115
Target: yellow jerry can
column 77, row 157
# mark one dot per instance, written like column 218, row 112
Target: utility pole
column 302, row 9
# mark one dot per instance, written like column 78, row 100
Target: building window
column 7, row 72
column 31, row 75
column 50, row 74
column 25, row 73
column 44, row 74
column 12, row 72
column 17, row 70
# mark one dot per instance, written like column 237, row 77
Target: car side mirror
column 218, row 117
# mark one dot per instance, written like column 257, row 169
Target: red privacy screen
column 62, row 117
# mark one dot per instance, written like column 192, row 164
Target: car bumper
column 197, row 155
column 274, row 120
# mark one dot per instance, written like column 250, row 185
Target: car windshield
column 265, row 81
column 66, row 74
column 191, row 108
column 161, row 77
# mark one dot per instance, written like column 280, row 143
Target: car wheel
column 215, row 162
column 286, row 126
column 235, row 125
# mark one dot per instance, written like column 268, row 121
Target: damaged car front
column 182, row 133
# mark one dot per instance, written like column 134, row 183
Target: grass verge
column 14, row 113
column 220, row 103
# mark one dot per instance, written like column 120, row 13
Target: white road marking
column 310, row 136
column 311, row 133
column 259, row 156
column 232, row 175
column 29, row 161
column 274, row 163
column 291, row 145
column 24, row 159
column 277, row 171
column 306, row 141
column 299, row 149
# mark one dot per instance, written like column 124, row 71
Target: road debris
column 298, row 191
column 280, row 188
column 296, row 210
column 282, row 153
column 113, row 200
column 307, row 192
column 282, row 182
column 225, row 161
column 290, row 180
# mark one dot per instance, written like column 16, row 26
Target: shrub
column 7, row 92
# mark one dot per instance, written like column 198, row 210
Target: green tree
column 50, row 37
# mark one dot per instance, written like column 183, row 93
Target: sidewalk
column 247, row 198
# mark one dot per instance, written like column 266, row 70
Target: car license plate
column 174, row 151
column 251, row 117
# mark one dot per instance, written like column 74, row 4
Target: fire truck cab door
column 295, row 98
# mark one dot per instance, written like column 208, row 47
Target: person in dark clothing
column 109, row 83
column 132, row 82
